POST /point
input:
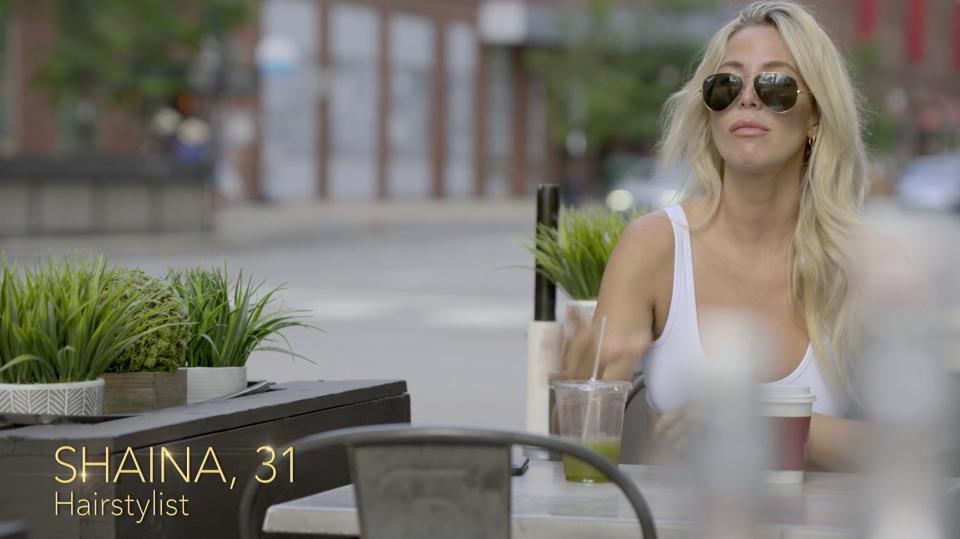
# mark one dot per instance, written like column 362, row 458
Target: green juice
column 578, row 471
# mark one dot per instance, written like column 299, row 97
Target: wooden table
column 12, row 530
column 234, row 429
column 546, row 506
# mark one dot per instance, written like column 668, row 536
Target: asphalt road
column 434, row 294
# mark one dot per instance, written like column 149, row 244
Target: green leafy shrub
column 67, row 320
column 162, row 350
column 575, row 254
column 228, row 321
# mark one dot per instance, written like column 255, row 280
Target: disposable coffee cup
column 590, row 412
column 787, row 410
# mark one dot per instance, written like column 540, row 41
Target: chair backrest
column 432, row 490
column 952, row 512
column 634, row 443
column 639, row 384
column 428, row 483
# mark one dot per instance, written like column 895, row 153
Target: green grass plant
column 574, row 255
column 66, row 320
column 231, row 319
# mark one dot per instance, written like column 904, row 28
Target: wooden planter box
column 131, row 392
column 233, row 428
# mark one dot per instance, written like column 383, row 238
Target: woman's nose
column 748, row 97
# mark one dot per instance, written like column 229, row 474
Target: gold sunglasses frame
column 749, row 80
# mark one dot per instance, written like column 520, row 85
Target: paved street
column 424, row 292
column 430, row 293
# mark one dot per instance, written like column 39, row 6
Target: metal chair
column 951, row 514
column 638, row 386
column 436, row 482
column 633, row 443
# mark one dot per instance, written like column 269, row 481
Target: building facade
column 387, row 99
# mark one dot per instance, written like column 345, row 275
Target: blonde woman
column 768, row 132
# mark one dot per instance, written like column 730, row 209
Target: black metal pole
column 545, row 290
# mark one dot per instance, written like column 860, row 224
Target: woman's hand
column 579, row 352
column 677, row 429
column 619, row 355
column 834, row 444
column 636, row 270
column 837, row 444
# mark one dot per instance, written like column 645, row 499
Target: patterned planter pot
column 68, row 398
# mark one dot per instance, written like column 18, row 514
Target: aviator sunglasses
column 778, row 92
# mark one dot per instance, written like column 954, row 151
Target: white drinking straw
column 593, row 381
column 596, row 360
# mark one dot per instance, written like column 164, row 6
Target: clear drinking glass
column 590, row 412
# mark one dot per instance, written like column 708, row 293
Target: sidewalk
column 251, row 226
column 251, row 223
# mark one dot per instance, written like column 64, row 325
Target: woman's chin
column 757, row 159
column 751, row 165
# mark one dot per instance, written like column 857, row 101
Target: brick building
column 427, row 98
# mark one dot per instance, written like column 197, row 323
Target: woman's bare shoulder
column 639, row 269
column 646, row 242
column 651, row 234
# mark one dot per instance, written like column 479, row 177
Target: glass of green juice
column 590, row 412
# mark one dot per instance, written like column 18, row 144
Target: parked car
column 931, row 182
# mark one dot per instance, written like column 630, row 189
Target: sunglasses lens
column 776, row 91
column 721, row 89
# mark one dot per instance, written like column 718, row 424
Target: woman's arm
column 836, row 444
column 626, row 300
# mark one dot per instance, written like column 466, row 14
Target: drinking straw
column 593, row 381
column 596, row 359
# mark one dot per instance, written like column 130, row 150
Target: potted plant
column 574, row 255
column 228, row 321
column 61, row 326
column 146, row 374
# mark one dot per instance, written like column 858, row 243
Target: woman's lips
column 749, row 132
column 747, row 128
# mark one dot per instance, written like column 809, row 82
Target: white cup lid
column 786, row 393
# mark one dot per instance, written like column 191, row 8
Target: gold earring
column 811, row 140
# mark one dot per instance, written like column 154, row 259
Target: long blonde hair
column 833, row 182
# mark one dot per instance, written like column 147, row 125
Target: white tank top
column 669, row 362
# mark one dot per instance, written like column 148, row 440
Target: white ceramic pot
column 577, row 311
column 66, row 398
column 204, row 383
